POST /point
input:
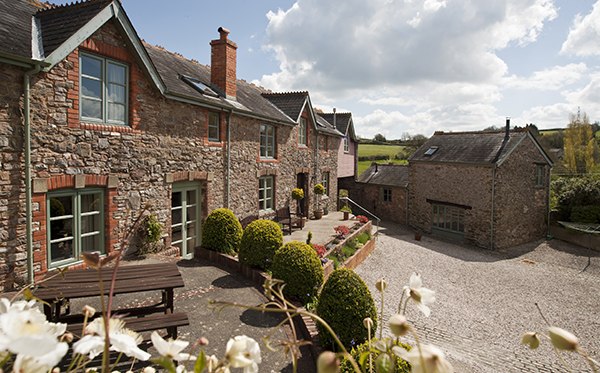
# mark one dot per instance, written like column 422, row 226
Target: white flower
column 562, row 339
column 422, row 297
column 399, row 325
column 211, row 363
column 27, row 364
column 243, row 352
column 434, row 359
column 532, row 340
column 121, row 340
column 171, row 349
column 149, row 370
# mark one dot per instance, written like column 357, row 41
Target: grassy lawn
column 365, row 164
column 372, row 149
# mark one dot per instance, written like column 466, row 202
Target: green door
column 448, row 221
column 185, row 217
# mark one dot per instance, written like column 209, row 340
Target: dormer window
column 431, row 150
column 199, row 86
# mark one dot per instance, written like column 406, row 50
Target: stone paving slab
column 485, row 300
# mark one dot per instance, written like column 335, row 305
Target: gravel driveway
column 485, row 301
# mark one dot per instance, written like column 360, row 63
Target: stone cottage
column 95, row 124
column 489, row 189
column 382, row 190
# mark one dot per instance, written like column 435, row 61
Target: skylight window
column 199, row 86
column 431, row 150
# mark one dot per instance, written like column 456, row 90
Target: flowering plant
column 319, row 189
column 297, row 194
column 319, row 249
column 342, row 231
column 362, row 219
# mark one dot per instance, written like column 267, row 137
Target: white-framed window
column 539, row 175
column 265, row 193
column 75, row 224
column 185, row 217
column 385, row 195
column 302, row 132
column 325, row 183
column 346, row 144
column 213, row 127
column 103, row 89
column 267, row 141
column 325, row 145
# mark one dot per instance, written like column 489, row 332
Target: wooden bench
column 169, row 321
column 247, row 220
column 284, row 217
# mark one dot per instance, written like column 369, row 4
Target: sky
column 398, row 66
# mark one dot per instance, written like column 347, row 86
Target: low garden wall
column 360, row 254
column 581, row 239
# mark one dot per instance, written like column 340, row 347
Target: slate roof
column 486, row 147
column 342, row 122
column 61, row 22
column 290, row 103
column 326, row 127
column 171, row 66
column 15, row 26
column 394, row 175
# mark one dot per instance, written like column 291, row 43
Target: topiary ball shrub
column 402, row 366
column 222, row 232
column 299, row 266
column 260, row 240
column 344, row 303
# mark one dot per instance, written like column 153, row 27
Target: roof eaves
column 508, row 153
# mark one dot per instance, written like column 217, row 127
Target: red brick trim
column 185, row 176
column 267, row 172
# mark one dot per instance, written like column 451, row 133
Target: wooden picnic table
column 84, row 283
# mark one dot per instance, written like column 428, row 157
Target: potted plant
column 418, row 235
column 347, row 211
column 297, row 195
column 319, row 190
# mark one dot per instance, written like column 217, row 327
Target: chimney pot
column 507, row 127
column 223, row 32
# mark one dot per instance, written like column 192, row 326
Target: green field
column 372, row 149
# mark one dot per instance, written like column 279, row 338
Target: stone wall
column 135, row 165
column 520, row 208
column 461, row 185
column 368, row 196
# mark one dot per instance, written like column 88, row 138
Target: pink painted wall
column 346, row 160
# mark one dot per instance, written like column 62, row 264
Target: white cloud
column 549, row 79
column 584, row 36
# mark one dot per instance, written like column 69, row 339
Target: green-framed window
column 303, row 132
column 448, row 221
column 213, row 127
column 539, row 175
column 186, row 217
column 75, row 224
column 103, row 89
column 267, row 141
column 385, row 194
column 325, row 183
column 265, row 194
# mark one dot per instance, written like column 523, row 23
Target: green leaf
column 200, row 362
column 363, row 360
column 166, row 363
column 384, row 364
column 28, row 294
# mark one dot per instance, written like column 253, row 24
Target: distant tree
column 379, row 138
column 405, row 137
column 555, row 140
column 418, row 140
column 491, row 128
column 579, row 144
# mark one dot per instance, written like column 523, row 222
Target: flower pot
column 418, row 236
column 325, row 210
column 346, row 215
column 318, row 214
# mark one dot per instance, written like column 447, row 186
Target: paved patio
column 322, row 229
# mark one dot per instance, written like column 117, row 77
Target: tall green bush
column 575, row 192
column 344, row 303
column 222, row 232
column 260, row 241
column 299, row 266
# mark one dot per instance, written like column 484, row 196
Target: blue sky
column 415, row 66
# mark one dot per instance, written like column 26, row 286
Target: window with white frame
column 213, row 127
column 75, row 224
column 267, row 141
column 346, row 144
column 539, row 175
column 385, row 195
column 265, row 193
column 103, row 89
column 325, row 183
column 302, row 132
column 325, row 144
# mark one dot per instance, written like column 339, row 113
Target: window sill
column 268, row 160
column 106, row 127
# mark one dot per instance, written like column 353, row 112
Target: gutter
column 549, row 191
column 228, row 156
column 492, row 209
column 27, row 138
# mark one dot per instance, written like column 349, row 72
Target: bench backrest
column 283, row 213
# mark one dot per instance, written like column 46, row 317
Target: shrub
column 149, row 233
column 363, row 237
column 299, row 266
column 585, row 214
column 260, row 241
column 348, row 252
column 222, row 232
column 401, row 365
column 309, row 238
column 319, row 189
column 319, row 249
column 346, row 208
column 344, row 303
column 297, row 194
column 573, row 192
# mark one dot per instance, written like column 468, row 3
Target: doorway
column 302, row 205
column 185, row 217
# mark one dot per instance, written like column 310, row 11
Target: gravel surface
column 485, row 301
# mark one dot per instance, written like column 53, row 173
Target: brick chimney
column 223, row 57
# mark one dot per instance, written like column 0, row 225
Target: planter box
column 581, row 239
column 359, row 256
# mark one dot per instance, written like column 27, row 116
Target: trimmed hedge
column 344, row 303
column 222, row 232
column 299, row 266
column 402, row 366
column 260, row 241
